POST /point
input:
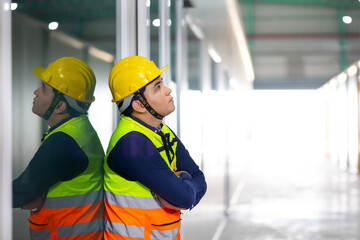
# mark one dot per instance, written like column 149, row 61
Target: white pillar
column 5, row 122
column 126, row 39
column 143, row 28
column 179, row 18
column 164, row 39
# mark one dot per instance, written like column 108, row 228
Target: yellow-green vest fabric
column 75, row 207
column 132, row 210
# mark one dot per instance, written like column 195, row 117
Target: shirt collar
column 59, row 123
column 55, row 126
column 156, row 130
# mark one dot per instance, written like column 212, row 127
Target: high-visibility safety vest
column 74, row 209
column 132, row 211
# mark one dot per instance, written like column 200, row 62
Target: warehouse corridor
column 266, row 96
column 288, row 189
column 318, row 202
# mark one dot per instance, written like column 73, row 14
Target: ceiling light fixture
column 214, row 55
column 107, row 57
column 194, row 27
column 347, row 19
column 156, row 22
column 13, row 6
column 351, row 71
column 53, row 25
column 341, row 78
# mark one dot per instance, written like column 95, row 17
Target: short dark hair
column 72, row 112
column 129, row 110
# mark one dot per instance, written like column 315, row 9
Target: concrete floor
column 317, row 203
column 325, row 206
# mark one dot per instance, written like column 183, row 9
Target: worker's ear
column 60, row 107
column 138, row 106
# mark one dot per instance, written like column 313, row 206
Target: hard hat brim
column 163, row 69
column 39, row 72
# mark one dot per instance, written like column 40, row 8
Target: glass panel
column 83, row 29
column 193, row 60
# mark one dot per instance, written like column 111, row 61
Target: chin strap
column 56, row 100
column 147, row 106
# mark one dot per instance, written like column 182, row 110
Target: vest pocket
column 39, row 231
column 39, row 226
column 166, row 231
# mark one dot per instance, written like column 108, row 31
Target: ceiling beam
column 296, row 36
column 319, row 3
column 33, row 5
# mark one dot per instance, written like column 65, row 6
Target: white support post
column 164, row 38
column 126, row 34
column 143, row 28
column 5, row 122
column 179, row 58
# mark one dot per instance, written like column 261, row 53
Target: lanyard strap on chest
column 168, row 147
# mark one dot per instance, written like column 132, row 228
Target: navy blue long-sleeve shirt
column 59, row 158
column 136, row 158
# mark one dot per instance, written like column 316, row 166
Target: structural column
column 5, row 122
column 164, row 38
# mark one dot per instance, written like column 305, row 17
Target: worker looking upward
column 63, row 183
column 149, row 175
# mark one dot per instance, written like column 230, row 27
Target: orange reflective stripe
column 69, row 216
column 134, row 216
column 113, row 236
column 131, row 201
column 40, row 234
column 129, row 216
column 85, row 221
column 124, row 230
column 125, row 223
column 73, row 201
column 80, row 228
column 89, row 236
column 169, row 234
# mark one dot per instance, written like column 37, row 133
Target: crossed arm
column 135, row 158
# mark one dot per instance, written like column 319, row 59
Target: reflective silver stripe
column 164, row 235
column 80, row 228
column 124, row 230
column 40, row 234
column 73, row 201
column 132, row 202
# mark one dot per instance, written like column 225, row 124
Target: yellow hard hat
column 130, row 74
column 71, row 76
